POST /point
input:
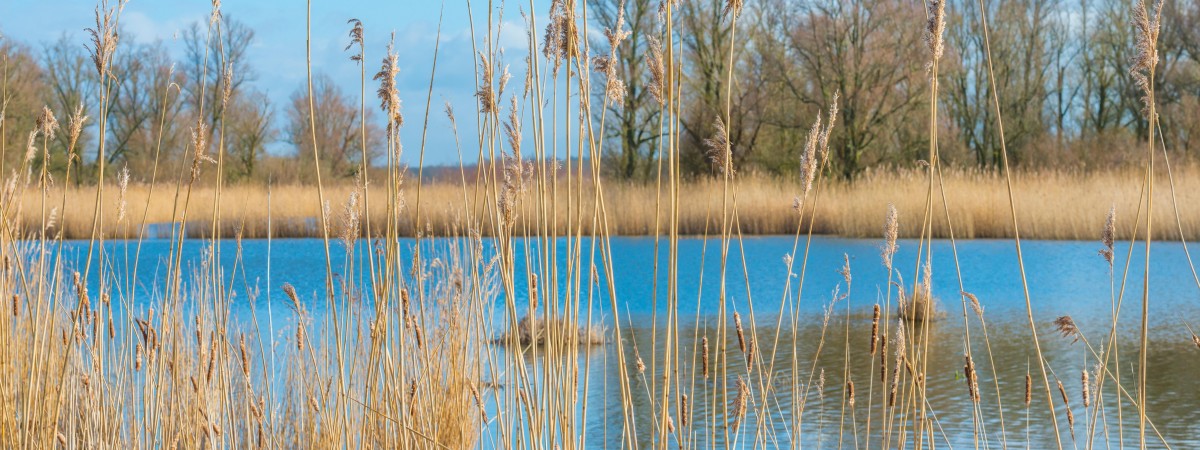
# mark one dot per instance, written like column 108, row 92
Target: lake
column 1065, row 278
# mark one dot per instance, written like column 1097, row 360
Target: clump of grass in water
column 535, row 331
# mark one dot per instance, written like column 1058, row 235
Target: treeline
column 1061, row 74
column 154, row 104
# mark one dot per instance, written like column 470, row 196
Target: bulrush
column 684, row 410
column 1087, row 395
column 737, row 325
column 704, row 356
column 972, row 379
column 1028, row 389
column 899, row 362
column 875, row 329
column 850, row 391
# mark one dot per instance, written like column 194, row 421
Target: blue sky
column 279, row 55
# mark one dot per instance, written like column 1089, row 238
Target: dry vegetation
column 397, row 349
column 1055, row 205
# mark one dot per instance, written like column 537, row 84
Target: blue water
column 1064, row 278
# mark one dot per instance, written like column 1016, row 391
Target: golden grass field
column 1053, row 205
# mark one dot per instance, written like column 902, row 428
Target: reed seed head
column 720, row 151
column 1066, row 326
column 388, row 93
column 1108, row 236
column 356, row 39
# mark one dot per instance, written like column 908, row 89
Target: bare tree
column 141, row 109
column 869, row 51
column 71, row 82
column 209, row 53
column 249, row 129
column 632, row 124
column 337, row 130
column 21, row 82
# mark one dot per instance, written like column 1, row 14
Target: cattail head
column 874, row 329
column 972, row 379
column 245, row 356
column 890, row 232
column 704, row 356
column 1028, row 389
column 737, row 325
column 1087, row 398
column 684, row 410
column 850, row 392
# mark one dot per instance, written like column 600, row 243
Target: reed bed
column 1055, row 205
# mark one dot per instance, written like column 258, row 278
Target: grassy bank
column 1053, row 205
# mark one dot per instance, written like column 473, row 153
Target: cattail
column 1196, row 340
column 821, row 384
column 883, row 358
column 137, row 358
column 704, row 356
column 875, row 330
column 899, row 362
column 737, row 324
column 533, row 292
column 684, row 410
column 62, row 440
column 15, row 304
column 123, row 185
column 404, row 301
column 1108, row 236
column 245, row 357
column 750, row 353
column 1087, row 395
column 850, row 392
column 972, row 379
column 1028, row 389
column 1063, row 391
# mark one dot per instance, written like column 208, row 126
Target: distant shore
column 1051, row 205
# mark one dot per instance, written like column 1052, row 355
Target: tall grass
column 477, row 332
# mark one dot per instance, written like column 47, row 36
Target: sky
column 278, row 54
